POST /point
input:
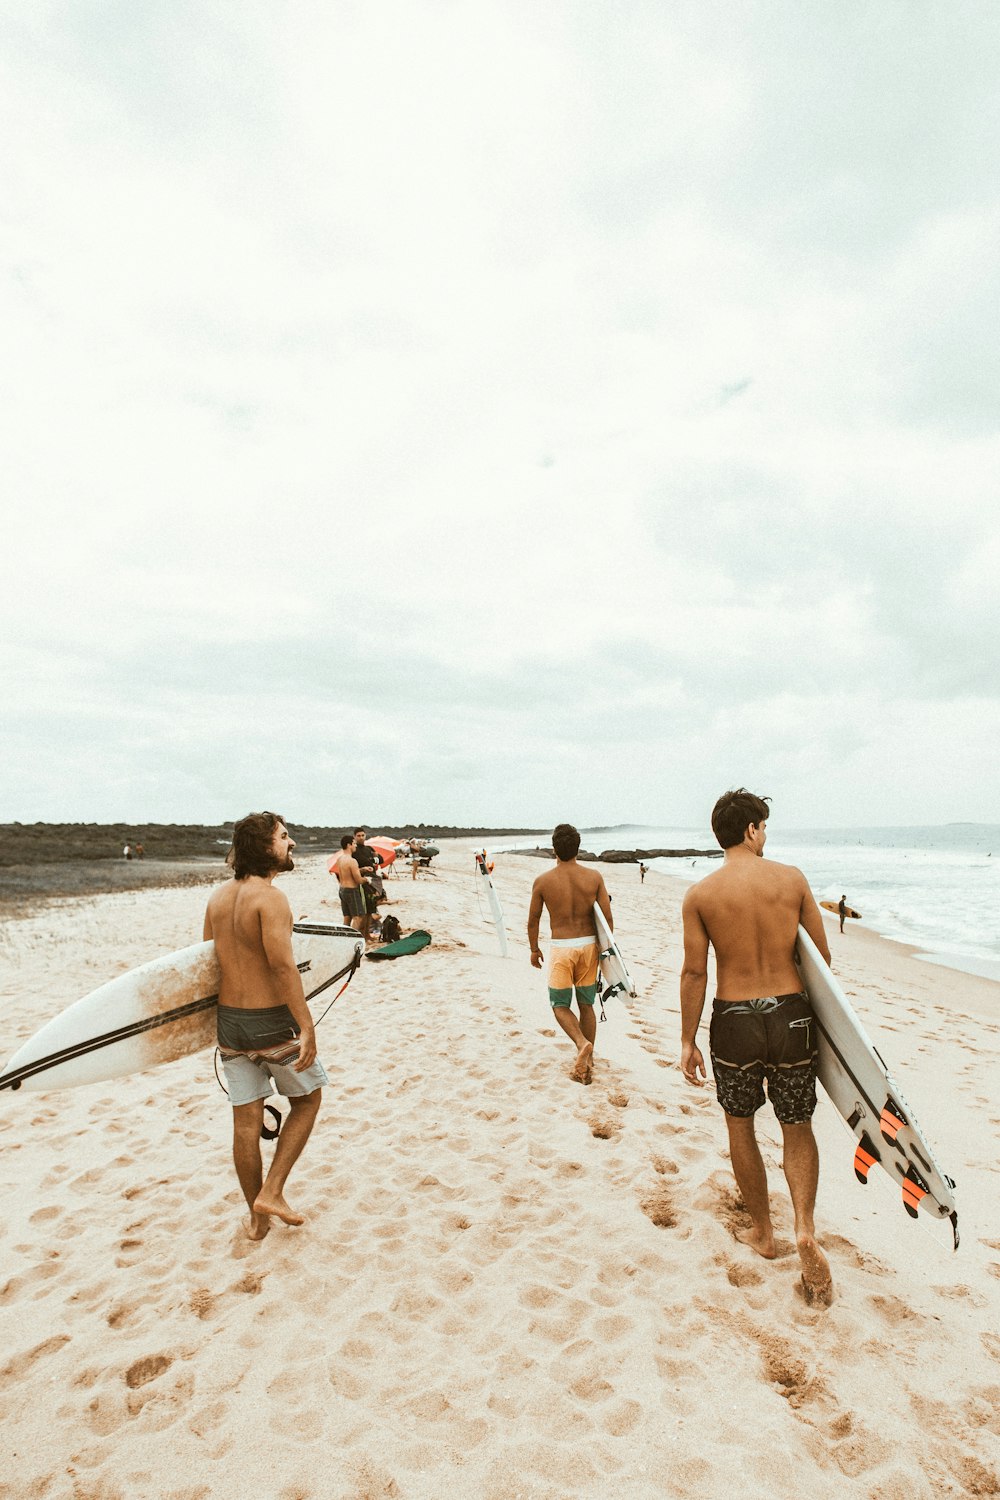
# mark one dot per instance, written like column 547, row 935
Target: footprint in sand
column 658, row 1206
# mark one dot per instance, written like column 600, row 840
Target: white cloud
column 513, row 383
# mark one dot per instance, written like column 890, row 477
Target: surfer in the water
column 568, row 892
column 265, row 1029
column 762, row 1028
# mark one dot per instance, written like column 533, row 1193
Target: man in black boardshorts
column 762, row 1033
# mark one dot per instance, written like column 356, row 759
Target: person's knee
column 307, row 1103
column 741, row 1127
column 247, row 1120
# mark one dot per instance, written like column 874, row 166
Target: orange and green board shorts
column 573, row 966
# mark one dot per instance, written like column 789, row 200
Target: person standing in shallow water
column 568, row 892
column 762, row 1027
column 265, row 1030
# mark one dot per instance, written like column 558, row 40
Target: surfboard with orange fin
column 866, row 1095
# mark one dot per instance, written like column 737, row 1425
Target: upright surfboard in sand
column 496, row 910
column 159, row 1012
column 865, row 1094
column 615, row 974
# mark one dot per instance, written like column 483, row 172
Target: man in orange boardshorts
column 568, row 892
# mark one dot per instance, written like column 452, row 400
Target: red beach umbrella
column 385, row 847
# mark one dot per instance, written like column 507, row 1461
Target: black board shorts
column 771, row 1040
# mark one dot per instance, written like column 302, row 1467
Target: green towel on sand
column 411, row 944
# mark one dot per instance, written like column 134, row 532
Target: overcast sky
column 500, row 412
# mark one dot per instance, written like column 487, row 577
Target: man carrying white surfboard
column 265, row 1031
column 762, row 1027
column 569, row 892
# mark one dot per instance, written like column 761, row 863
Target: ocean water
column 935, row 887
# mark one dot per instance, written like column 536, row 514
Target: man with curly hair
column 265, row 1030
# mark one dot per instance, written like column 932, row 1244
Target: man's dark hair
column 733, row 814
column 251, row 850
column 347, row 839
column 565, row 841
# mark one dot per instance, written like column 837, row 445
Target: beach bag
column 390, row 932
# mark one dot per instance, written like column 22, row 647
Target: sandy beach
column 509, row 1286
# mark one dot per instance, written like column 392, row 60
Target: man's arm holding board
column 534, row 918
column 604, row 902
column 812, row 921
column 276, row 939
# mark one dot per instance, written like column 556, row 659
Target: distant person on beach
column 749, row 911
column 367, row 862
column 127, row 851
column 348, row 873
column 643, row 869
column 266, row 1035
column 568, row 892
column 140, row 852
column 842, row 911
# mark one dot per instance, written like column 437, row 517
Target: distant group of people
column 361, row 887
column 761, row 1033
column 133, row 849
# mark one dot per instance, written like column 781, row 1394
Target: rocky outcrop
column 626, row 856
column 633, row 856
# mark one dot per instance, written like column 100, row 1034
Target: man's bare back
column 348, row 871
column 245, row 917
column 750, row 911
column 568, row 893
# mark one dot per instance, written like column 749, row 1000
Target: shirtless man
column 749, row 910
column 266, row 1034
column 348, row 873
column 568, row 892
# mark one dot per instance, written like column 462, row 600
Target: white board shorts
column 249, row 1079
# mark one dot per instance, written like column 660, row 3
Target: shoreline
column 970, row 965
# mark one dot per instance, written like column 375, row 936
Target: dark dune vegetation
column 51, row 860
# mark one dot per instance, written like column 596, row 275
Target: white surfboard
column 617, row 979
column 865, row 1094
column 159, row 1012
column 496, row 910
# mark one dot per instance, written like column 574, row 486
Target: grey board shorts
column 770, row 1040
column 258, row 1049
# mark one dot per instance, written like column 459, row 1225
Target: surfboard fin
column 865, row 1157
column 913, row 1191
column 891, row 1123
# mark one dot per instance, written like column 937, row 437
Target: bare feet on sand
column 817, row 1283
column 264, row 1204
column 258, row 1226
column 761, row 1240
column 584, row 1058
